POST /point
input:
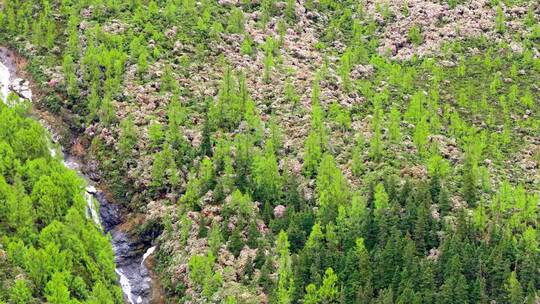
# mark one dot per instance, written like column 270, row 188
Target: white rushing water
column 148, row 253
column 12, row 84
column 124, row 283
column 4, row 81
column 91, row 211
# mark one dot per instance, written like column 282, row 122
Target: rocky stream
column 130, row 253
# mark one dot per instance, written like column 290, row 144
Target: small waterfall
column 148, row 253
column 91, row 210
column 134, row 281
column 90, row 191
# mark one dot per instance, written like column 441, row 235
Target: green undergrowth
column 49, row 250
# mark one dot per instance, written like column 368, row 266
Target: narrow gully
column 133, row 275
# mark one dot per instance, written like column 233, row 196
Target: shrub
column 415, row 36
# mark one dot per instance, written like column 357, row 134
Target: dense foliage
column 289, row 157
column 49, row 250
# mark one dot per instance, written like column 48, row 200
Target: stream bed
column 130, row 254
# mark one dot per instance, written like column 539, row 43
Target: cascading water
column 132, row 273
column 91, row 211
column 148, row 253
column 4, row 82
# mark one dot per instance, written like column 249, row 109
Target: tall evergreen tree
column 285, row 285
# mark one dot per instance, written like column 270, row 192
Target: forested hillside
column 49, row 251
column 309, row 151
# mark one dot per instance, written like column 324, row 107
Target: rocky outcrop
column 438, row 23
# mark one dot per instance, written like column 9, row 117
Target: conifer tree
column 253, row 119
column 420, row 137
column 454, row 288
column 375, row 150
column 168, row 82
column 311, row 257
column 285, row 285
column 93, row 104
column 70, row 76
column 332, row 189
column 156, row 134
column 128, row 137
column 264, row 280
column 290, row 11
column 290, row 92
column 267, row 10
column 253, row 234
column 364, row 278
column 266, row 176
column 215, row 239
column 20, row 293
column 268, row 63
column 500, row 20
column 312, row 153
column 276, row 134
column 415, row 35
column 142, row 63
column 444, row 202
column 227, row 111
column 164, row 169
column 107, row 113
column 469, row 183
column 514, row 289
column 236, row 244
column 329, row 291
column 394, row 128
column 311, row 296
column 345, row 71
column 247, row 45
column 236, row 21
column 386, row 296
column 416, row 108
column 56, row 290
